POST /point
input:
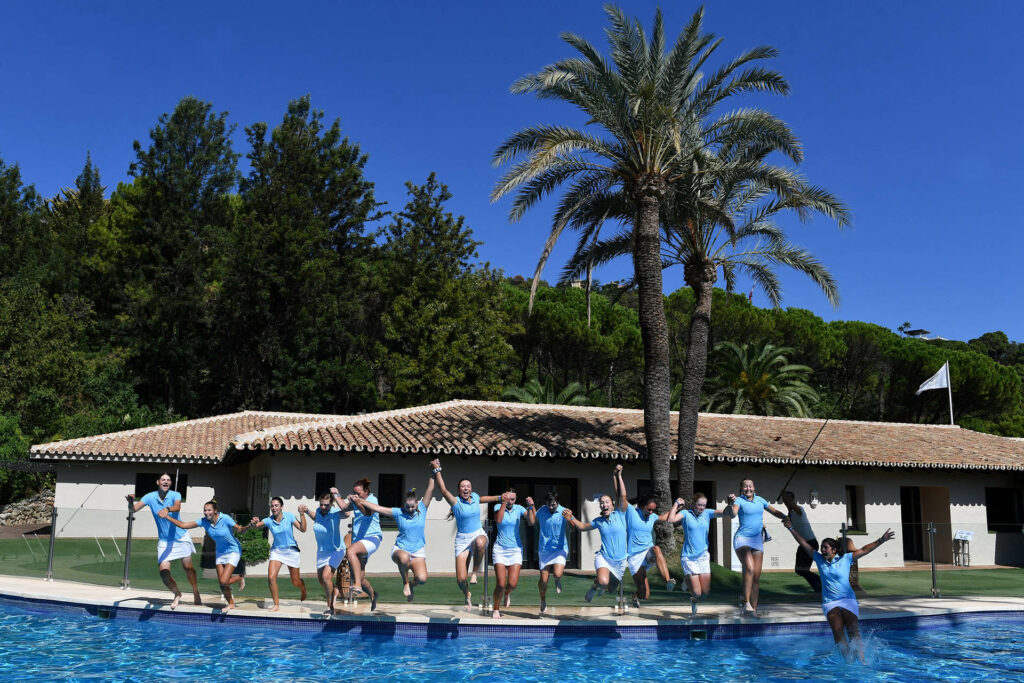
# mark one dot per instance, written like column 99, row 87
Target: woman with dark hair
column 552, row 543
column 330, row 547
column 640, row 549
column 410, row 550
column 284, row 550
column 366, row 538
column 507, row 556
column 470, row 538
column 838, row 601
column 222, row 529
column 694, row 557
column 749, row 539
column 611, row 559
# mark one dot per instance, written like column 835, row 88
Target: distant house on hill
column 869, row 475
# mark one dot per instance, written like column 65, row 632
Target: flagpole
column 949, row 388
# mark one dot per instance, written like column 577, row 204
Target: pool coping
column 420, row 626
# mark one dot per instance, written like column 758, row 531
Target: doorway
column 920, row 505
column 537, row 488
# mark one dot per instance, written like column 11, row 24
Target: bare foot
column 176, row 600
column 196, row 599
column 241, row 584
column 495, row 614
column 228, row 608
column 407, row 590
column 558, row 585
column 469, row 602
column 472, row 577
column 373, row 601
column 543, row 607
column 303, row 593
column 275, row 608
column 508, row 600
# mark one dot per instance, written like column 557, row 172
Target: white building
column 868, row 475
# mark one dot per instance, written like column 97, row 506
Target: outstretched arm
column 775, row 513
column 428, row 495
column 675, row 513
column 575, row 523
column 366, row 505
column 808, row 548
column 731, row 508
column 619, row 484
column 445, row 493
column 136, row 504
column 163, row 514
column 871, row 547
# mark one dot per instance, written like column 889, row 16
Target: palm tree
column 573, row 394
column 758, row 380
column 651, row 113
column 721, row 218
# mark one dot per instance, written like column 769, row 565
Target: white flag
column 940, row 380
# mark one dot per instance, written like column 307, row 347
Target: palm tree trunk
column 701, row 278
column 654, row 332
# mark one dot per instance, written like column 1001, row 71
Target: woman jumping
column 749, row 539
column 694, row 557
column 552, row 544
column 470, row 538
column 222, row 529
column 508, row 550
column 640, row 549
column 838, row 601
column 610, row 559
column 410, row 550
column 330, row 548
column 284, row 550
column 366, row 538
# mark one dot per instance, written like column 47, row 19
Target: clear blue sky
column 909, row 111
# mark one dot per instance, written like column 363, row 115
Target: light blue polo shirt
column 284, row 537
column 640, row 530
column 222, row 533
column 751, row 516
column 328, row 530
column 551, row 531
column 695, row 528
column 508, row 530
column 165, row 530
column 411, row 533
column 467, row 513
column 835, row 577
column 365, row 526
column 613, row 536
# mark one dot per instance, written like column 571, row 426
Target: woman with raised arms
column 410, row 550
column 222, row 529
column 640, row 549
column 284, row 550
column 330, row 546
column 508, row 549
column 694, row 557
column 749, row 539
column 610, row 559
column 838, row 601
column 552, row 543
column 366, row 538
column 470, row 538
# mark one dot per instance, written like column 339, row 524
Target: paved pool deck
column 426, row 620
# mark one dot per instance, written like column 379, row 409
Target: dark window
column 855, row 508
column 146, row 483
column 1004, row 508
column 390, row 494
column 325, row 481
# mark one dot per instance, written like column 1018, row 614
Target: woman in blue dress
column 410, row 550
column 838, row 601
column 507, row 555
column 284, row 550
column 610, row 560
column 749, row 539
column 222, row 529
column 330, row 544
column 470, row 538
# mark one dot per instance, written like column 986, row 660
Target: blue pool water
column 36, row 644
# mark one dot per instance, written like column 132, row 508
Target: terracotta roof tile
column 515, row 429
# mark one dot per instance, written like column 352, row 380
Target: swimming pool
column 42, row 644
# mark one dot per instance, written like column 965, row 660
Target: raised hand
column 130, row 497
column 680, row 503
column 887, row 536
column 732, row 499
column 435, row 463
column 303, row 509
column 504, row 498
column 618, row 470
column 567, row 513
column 335, row 491
column 529, row 502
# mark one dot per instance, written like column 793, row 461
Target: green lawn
column 81, row 560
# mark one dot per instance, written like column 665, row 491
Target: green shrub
column 255, row 547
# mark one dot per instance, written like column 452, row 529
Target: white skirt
column 371, row 543
column 332, row 559
column 289, row 557
column 638, row 561
column 697, row 565
column 616, row 567
column 552, row 557
column 848, row 604
column 229, row 558
column 179, row 550
column 420, row 553
column 506, row 556
column 752, row 542
column 463, row 541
